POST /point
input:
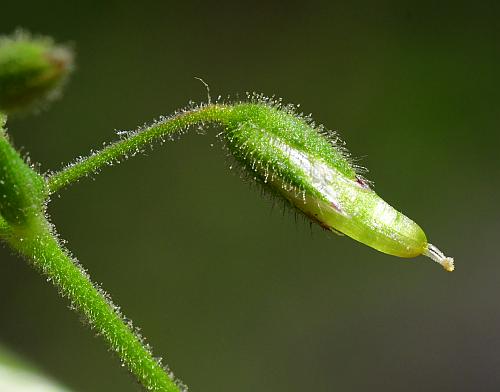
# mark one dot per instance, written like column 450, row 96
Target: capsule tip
column 435, row 254
column 448, row 264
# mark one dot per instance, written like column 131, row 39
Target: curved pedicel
column 292, row 157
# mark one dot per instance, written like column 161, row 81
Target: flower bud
column 31, row 71
column 310, row 168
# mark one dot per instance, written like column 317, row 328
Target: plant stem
column 33, row 237
column 40, row 246
column 135, row 143
column 42, row 249
column 36, row 241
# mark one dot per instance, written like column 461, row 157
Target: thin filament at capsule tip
column 435, row 254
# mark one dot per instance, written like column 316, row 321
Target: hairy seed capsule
column 31, row 71
column 308, row 168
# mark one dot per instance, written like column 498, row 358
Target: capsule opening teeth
column 435, row 254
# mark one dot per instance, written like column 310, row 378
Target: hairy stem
column 33, row 237
column 135, row 143
column 41, row 247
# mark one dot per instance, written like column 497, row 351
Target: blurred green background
column 234, row 295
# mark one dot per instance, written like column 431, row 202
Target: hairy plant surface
column 284, row 151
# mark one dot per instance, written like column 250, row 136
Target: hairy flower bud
column 31, row 71
column 312, row 171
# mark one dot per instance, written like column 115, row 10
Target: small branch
column 134, row 144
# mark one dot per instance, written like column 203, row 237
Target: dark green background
column 234, row 295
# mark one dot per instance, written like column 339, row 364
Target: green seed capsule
column 307, row 167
